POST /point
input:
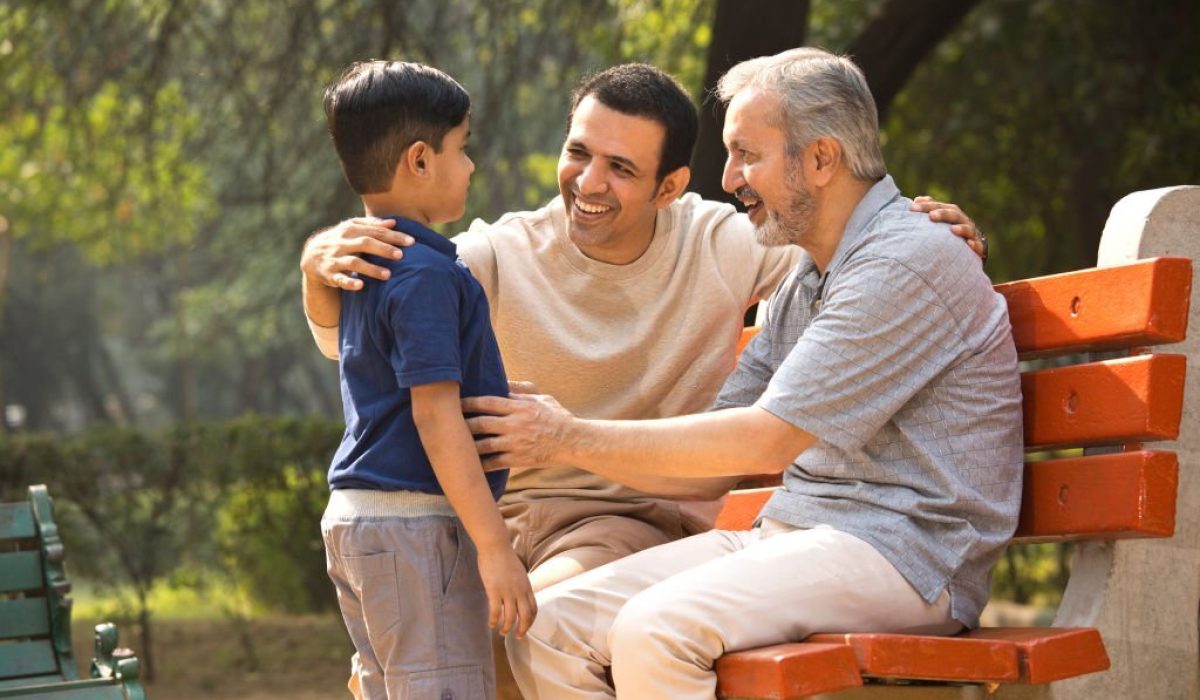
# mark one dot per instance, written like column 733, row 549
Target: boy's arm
column 451, row 449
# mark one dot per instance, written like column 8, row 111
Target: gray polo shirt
column 900, row 361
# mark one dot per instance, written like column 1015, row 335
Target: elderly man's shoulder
column 912, row 238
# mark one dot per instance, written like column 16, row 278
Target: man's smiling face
column 607, row 177
column 762, row 173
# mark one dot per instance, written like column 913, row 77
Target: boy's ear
column 417, row 159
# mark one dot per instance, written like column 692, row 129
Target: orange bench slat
column 741, row 508
column 1140, row 304
column 787, row 671
column 1128, row 399
column 1112, row 496
column 920, row 657
column 1051, row 653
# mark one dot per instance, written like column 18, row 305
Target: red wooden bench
column 1121, row 491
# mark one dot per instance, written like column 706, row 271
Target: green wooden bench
column 1127, row 626
column 36, row 660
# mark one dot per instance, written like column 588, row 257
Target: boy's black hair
column 641, row 90
column 376, row 109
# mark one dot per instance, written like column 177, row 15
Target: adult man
column 885, row 383
column 619, row 297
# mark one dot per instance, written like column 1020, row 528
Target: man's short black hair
column 641, row 90
column 376, row 109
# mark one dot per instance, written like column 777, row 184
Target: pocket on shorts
column 448, row 545
column 374, row 579
column 454, row 683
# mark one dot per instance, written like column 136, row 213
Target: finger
column 373, row 221
column 966, row 231
column 494, row 462
column 527, row 609
column 493, row 612
column 369, row 245
column 494, row 405
column 950, row 214
column 510, row 616
column 342, row 281
column 353, row 263
column 518, row 387
column 485, row 425
column 919, row 199
column 489, row 446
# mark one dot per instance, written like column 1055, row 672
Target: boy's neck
column 388, row 204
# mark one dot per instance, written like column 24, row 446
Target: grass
column 208, row 643
column 266, row 658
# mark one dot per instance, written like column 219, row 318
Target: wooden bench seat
column 36, row 660
column 1115, row 404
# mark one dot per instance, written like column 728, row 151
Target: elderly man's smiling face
column 761, row 173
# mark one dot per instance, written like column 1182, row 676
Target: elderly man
column 884, row 385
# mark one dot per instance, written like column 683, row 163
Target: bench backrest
column 1115, row 403
column 35, row 641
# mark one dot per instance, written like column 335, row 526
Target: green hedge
column 243, row 498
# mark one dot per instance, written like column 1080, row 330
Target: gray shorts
column 410, row 594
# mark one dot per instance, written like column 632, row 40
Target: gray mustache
column 745, row 192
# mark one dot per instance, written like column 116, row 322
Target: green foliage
column 1038, row 116
column 178, row 148
column 269, row 539
column 138, row 508
column 1033, row 574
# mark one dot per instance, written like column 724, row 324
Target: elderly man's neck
column 835, row 204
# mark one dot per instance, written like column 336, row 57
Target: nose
column 731, row 176
column 591, row 178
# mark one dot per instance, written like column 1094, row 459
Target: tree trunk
column 742, row 29
column 891, row 47
column 145, row 651
column 5, row 258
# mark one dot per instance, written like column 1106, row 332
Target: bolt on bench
column 36, row 660
column 1119, row 489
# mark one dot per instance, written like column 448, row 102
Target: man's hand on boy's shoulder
column 330, row 256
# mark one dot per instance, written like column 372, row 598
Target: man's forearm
column 712, row 449
column 322, row 303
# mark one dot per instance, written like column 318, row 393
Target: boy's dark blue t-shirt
column 428, row 323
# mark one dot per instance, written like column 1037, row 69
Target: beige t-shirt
column 653, row 338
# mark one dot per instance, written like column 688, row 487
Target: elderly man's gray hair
column 821, row 95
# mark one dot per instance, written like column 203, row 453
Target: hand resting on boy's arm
column 451, row 451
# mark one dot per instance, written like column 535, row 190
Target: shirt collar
column 879, row 196
column 426, row 236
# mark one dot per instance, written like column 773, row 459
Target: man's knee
column 651, row 624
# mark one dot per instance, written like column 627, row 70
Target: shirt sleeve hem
column 822, row 430
column 428, row 376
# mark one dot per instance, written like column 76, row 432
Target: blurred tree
column 1037, row 116
column 105, row 151
column 169, row 155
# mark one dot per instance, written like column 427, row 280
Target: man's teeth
column 591, row 208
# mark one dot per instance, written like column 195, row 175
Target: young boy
column 417, row 592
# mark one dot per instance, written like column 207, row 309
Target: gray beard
column 789, row 227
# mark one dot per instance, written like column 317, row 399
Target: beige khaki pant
column 660, row 618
